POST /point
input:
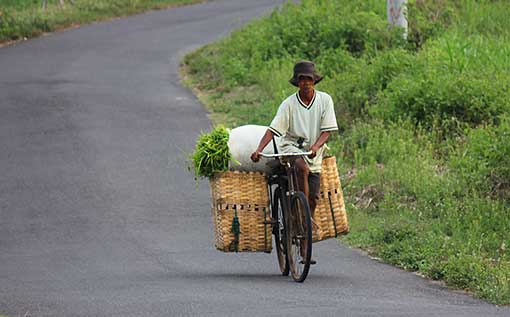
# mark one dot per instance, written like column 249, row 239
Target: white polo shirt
column 295, row 120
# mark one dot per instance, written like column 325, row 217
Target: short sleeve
column 280, row 123
column 328, row 122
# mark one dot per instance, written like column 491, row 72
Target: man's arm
column 268, row 136
column 323, row 138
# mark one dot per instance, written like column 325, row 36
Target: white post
column 397, row 11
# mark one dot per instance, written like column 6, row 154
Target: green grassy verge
column 424, row 148
column 26, row 18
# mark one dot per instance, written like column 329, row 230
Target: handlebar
column 285, row 154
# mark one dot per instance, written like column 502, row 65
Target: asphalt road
column 98, row 215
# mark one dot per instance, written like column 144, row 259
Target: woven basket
column 330, row 212
column 245, row 195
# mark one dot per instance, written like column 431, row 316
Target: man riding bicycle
column 304, row 120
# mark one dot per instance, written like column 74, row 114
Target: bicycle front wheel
column 279, row 232
column 299, row 237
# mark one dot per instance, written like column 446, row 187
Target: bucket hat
column 305, row 68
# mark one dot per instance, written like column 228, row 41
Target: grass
column 423, row 149
column 25, row 18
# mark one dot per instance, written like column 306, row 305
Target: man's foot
column 312, row 262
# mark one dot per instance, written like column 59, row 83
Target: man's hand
column 268, row 136
column 255, row 156
column 314, row 150
column 319, row 143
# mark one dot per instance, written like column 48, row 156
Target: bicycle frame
column 286, row 193
column 290, row 170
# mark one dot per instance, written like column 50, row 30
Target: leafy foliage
column 484, row 159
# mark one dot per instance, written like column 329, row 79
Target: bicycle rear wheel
column 279, row 232
column 299, row 237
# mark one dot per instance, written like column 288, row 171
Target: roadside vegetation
column 424, row 147
column 26, row 18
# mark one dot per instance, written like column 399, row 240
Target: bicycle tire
column 299, row 237
column 278, row 214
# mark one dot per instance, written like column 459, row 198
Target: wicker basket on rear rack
column 241, row 215
column 330, row 212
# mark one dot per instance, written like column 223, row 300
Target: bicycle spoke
column 299, row 237
column 279, row 234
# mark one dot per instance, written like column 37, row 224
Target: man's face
column 305, row 84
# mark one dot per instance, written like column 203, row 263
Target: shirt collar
column 304, row 104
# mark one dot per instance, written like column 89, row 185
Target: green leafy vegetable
column 211, row 153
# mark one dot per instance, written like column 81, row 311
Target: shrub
column 483, row 17
column 484, row 160
column 279, row 38
column 455, row 80
column 427, row 19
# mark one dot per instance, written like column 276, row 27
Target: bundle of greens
column 211, row 153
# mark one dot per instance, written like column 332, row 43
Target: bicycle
column 291, row 218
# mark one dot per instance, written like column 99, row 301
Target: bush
column 427, row 19
column 483, row 17
column 357, row 82
column 484, row 160
column 279, row 38
column 452, row 80
column 399, row 160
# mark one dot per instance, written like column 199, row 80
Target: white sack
column 242, row 142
